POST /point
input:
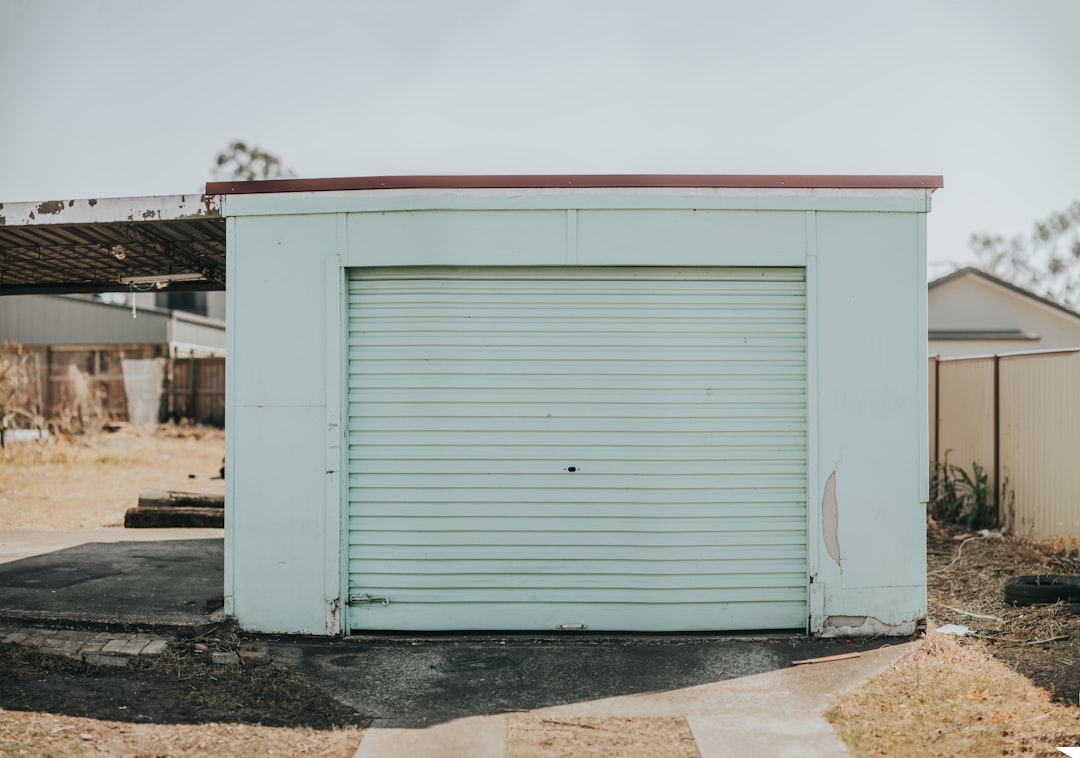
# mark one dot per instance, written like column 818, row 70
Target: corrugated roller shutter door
column 616, row 449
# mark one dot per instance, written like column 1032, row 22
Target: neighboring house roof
column 983, row 334
column 972, row 312
column 972, row 270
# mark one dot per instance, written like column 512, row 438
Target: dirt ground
column 91, row 480
column 1008, row 687
column 180, row 704
column 966, row 574
column 1011, row 686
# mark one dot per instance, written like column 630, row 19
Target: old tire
column 1042, row 588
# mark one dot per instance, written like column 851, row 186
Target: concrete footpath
column 776, row 714
column 618, row 696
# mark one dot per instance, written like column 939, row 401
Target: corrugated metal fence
column 1018, row 416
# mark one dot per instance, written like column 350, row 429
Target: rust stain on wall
column 830, row 519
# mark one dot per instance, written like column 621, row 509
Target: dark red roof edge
column 526, row 181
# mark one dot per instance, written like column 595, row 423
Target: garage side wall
column 277, row 478
column 868, row 312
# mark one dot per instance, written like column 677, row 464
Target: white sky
column 104, row 98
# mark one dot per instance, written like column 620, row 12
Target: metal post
column 997, row 437
column 937, row 406
column 191, row 414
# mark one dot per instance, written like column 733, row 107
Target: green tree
column 1046, row 262
column 245, row 162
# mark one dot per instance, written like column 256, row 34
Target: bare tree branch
column 1046, row 262
column 248, row 163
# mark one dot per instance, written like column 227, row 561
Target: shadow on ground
column 171, row 583
column 413, row 683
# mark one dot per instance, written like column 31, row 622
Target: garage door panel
column 660, row 430
column 592, row 344
column 432, row 404
column 375, row 378
column 497, row 331
column 632, row 497
column 523, row 567
column 794, row 509
column 402, row 451
column 475, row 543
column 584, row 596
column 462, row 355
column 531, row 615
column 529, row 370
column 435, row 398
column 613, row 443
column 679, row 398
column 626, row 524
column 586, row 471
column 749, row 554
column 402, row 301
column 553, row 585
column 511, row 483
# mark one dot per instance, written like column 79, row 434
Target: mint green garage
column 577, row 403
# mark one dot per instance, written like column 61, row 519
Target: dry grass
column 34, row 734
column 972, row 695
column 952, row 699
column 88, row 482
column 584, row 737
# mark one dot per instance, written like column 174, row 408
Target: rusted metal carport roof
column 96, row 245
column 92, row 245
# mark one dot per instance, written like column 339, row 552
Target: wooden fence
column 197, row 390
column 1018, row 416
column 67, row 382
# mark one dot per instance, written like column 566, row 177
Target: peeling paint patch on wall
column 866, row 626
column 830, row 519
column 333, row 617
column 50, row 207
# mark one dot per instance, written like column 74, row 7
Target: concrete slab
column 161, row 577
column 17, row 542
column 777, row 713
column 476, row 737
column 447, row 696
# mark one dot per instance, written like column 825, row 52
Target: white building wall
column 970, row 302
column 59, row 320
column 867, row 406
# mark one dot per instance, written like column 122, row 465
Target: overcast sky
column 104, row 98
